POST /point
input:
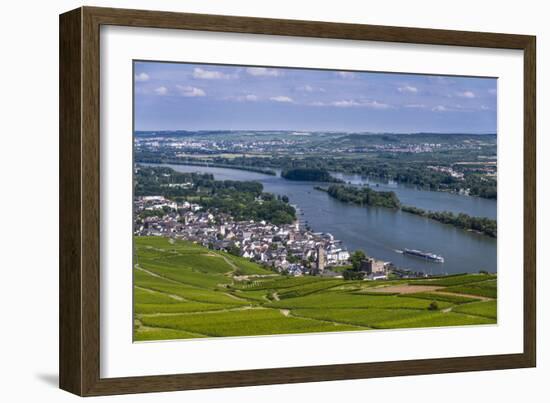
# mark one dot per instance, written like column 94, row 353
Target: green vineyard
column 183, row 290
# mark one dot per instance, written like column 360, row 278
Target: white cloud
column 484, row 108
column 281, row 98
column 250, row 97
column 188, row 91
column 141, row 77
column 408, row 88
column 415, row 106
column 345, row 103
column 457, row 108
column 351, row 103
column 210, row 74
column 345, row 74
column 161, row 90
column 245, row 98
column 262, row 71
column 466, row 94
column 309, row 88
column 376, row 105
column 492, row 91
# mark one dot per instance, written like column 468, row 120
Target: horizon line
column 314, row 131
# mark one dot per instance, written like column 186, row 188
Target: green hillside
column 182, row 290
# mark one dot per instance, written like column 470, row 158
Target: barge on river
column 432, row 257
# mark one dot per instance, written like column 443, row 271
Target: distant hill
column 150, row 133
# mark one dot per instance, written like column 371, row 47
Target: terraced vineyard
column 182, row 290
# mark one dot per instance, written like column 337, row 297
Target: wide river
column 380, row 232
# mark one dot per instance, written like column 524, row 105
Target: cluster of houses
column 287, row 248
column 447, row 170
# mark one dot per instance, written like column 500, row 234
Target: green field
column 487, row 309
column 182, row 291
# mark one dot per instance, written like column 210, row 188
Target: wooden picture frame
column 79, row 346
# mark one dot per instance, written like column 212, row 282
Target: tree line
column 243, row 200
column 479, row 224
column 363, row 196
column 408, row 169
column 309, row 174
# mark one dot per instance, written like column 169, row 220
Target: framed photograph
column 248, row 201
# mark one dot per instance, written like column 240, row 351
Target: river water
column 380, row 232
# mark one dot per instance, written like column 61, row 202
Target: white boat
column 432, row 257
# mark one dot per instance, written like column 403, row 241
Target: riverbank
column 365, row 196
column 425, row 175
column 478, row 225
column 384, row 232
column 265, row 171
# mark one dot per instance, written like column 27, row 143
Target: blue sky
column 176, row 96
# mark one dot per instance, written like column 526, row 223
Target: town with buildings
column 184, row 144
column 289, row 248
